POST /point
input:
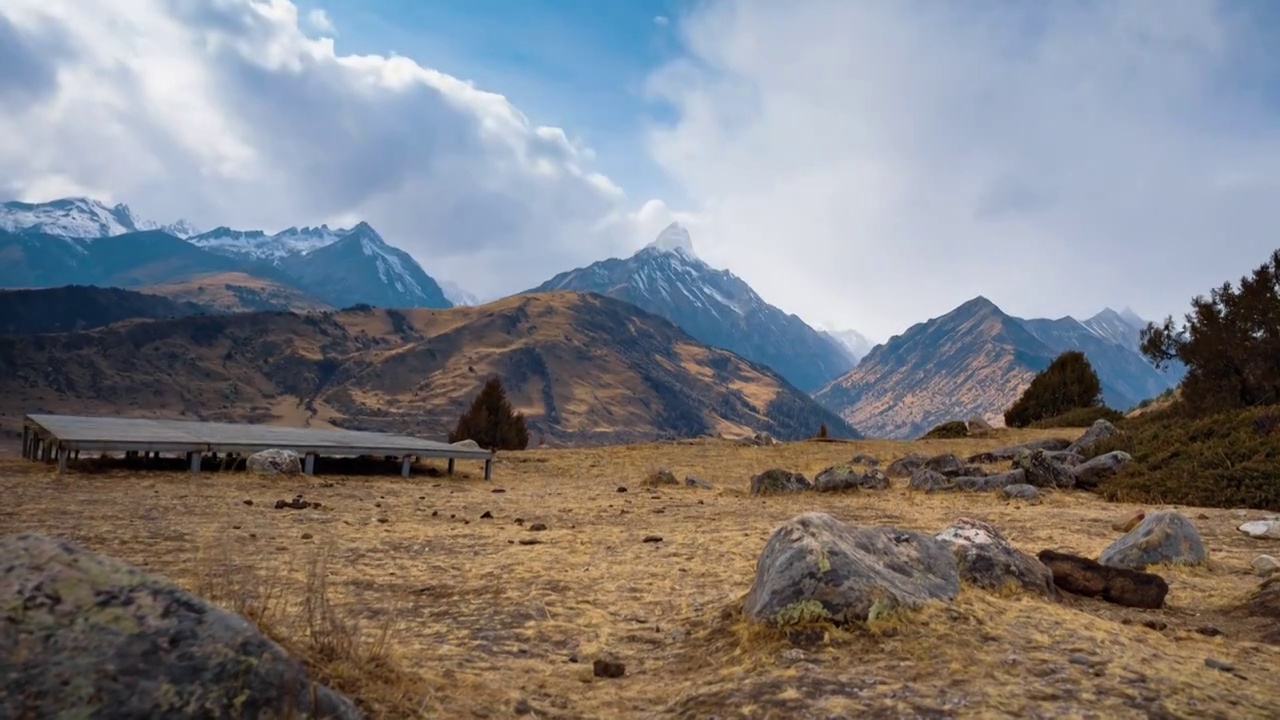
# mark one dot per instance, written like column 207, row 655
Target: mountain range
column 974, row 360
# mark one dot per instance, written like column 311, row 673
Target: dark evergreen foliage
column 491, row 421
column 1069, row 383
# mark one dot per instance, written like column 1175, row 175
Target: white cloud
column 1054, row 157
column 319, row 20
column 229, row 113
column 661, row 20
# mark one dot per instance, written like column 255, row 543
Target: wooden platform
column 55, row 438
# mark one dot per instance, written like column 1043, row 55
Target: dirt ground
column 480, row 625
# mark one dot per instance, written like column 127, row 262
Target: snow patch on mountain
column 83, row 218
column 257, row 245
column 457, row 295
column 674, row 239
column 386, row 258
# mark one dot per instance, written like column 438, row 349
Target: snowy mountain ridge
column 81, row 218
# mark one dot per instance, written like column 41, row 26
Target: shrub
column 1069, row 383
column 491, row 421
column 1228, row 459
column 1080, row 417
column 948, row 431
column 822, row 431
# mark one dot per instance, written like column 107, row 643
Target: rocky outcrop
column 1082, row 576
column 274, row 462
column 929, row 481
column 1162, row 537
column 1100, row 430
column 1012, row 451
column 774, row 481
column 1043, row 471
column 89, row 636
column 947, row 464
column 989, row 561
column 991, row 482
column 817, row 568
column 1090, row 474
column 906, row 465
column 844, row 477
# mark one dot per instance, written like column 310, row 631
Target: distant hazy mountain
column 456, row 295
column 853, row 341
column 715, row 306
column 975, row 360
column 361, row 267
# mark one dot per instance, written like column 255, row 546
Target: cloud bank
column 230, row 112
column 871, row 164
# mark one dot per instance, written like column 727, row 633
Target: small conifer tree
column 1069, row 383
column 822, row 430
column 491, row 421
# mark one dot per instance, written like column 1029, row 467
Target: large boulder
column 1100, row 430
column 774, row 481
column 274, row 462
column 836, row 478
column 1012, row 451
column 1163, row 537
column 1262, row 529
column 904, row 466
column 989, row 561
column 929, row 481
column 1091, row 473
column 817, row 568
column 1043, row 471
column 85, row 635
column 947, row 464
column 1082, row 576
column 873, row 479
column 997, row 481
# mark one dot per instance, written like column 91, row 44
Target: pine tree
column 491, row 421
column 1069, row 383
column 822, row 430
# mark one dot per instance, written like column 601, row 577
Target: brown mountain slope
column 975, row 360
column 583, row 368
column 236, row 292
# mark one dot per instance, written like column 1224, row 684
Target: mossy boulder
column 989, row 561
column 86, row 635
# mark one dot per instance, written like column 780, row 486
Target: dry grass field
column 406, row 595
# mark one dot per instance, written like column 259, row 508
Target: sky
column 865, row 165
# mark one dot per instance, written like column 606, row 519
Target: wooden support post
column 62, row 460
column 26, row 442
column 76, row 456
column 405, row 463
column 50, row 452
column 488, row 469
column 194, row 459
column 450, row 466
column 309, row 464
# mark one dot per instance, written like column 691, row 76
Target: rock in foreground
column 816, row 568
column 274, row 462
column 1162, row 537
column 1091, row 473
column 1082, row 576
column 1043, row 471
column 1262, row 529
column 90, row 636
column 989, row 561
column 1100, row 430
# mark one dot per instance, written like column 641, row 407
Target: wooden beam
column 450, row 466
column 26, row 442
column 488, row 469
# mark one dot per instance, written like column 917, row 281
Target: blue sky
column 575, row 64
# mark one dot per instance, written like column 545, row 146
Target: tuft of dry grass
column 402, row 594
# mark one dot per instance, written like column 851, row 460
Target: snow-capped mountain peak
column 457, row 295
column 257, row 245
column 75, row 217
column 674, row 239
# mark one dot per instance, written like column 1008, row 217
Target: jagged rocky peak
column 674, row 239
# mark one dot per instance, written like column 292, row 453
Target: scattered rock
column 863, row 459
column 1043, row 471
column 622, row 488
column 929, row 481
column 294, row 504
column 1082, row 576
column 496, row 491
column 987, row 560
column 383, row 519
column 537, row 527
column 1157, row 625
column 905, row 466
column 661, row 477
column 307, row 536
column 815, row 567
column 1091, row 473
column 1012, row 451
column 486, row 515
column 608, row 668
column 1065, row 457
column 530, row 541
column 1265, row 565
column 1100, row 430
column 778, row 481
column 1262, row 529
column 947, row 464
column 873, row 479
column 87, row 635
column 248, row 502
column 759, row 439
column 652, row 538
column 991, row 482
column 694, row 482
column 1124, row 526
column 835, row 479
column 1162, row 537
column 1208, row 631
column 274, row 462
column 1021, row 491
column 522, row 707
column 469, row 444
column 1219, row 665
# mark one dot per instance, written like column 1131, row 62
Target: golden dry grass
column 476, row 623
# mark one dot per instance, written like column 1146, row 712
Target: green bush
column 948, row 431
column 491, row 421
column 1228, row 459
column 1069, row 383
column 1080, row 417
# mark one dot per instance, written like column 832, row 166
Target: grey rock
column 695, row 482
column 1265, row 565
column 991, row 482
column 1065, row 457
column 1260, row 529
column 1091, row 473
column 468, row 444
column 817, row 568
column 760, row 439
column 873, row 479
column 1011, row 451
column 989, row 561
column 906, row 465
column 86, row 635
column 929, row 481
column 1043, row 471
column 862, row 459
column 1021, row 491
column 274, row 462
column 775, row 481
column 1100, row 430
column 1163, row 537
column 836, row 478
column 947, row 464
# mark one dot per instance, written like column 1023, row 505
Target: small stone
column 573, row 657
column 523, row 708
column 248, row 502
column 622, row 488
column 1262, row 529
column 235, row 527
column 422, row 497
column 1219, row 665
column 608, row 668
column 377, row 504
column 537, row 527
column 435, row 513
column 1265, row 565
column 1202, row 516
column 1208, row 631
column 1157, row 625
column 384, row 520
column 486, row 515
column 530, row 541
column 652, row 538
column 498, row 490
column 307, row 536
